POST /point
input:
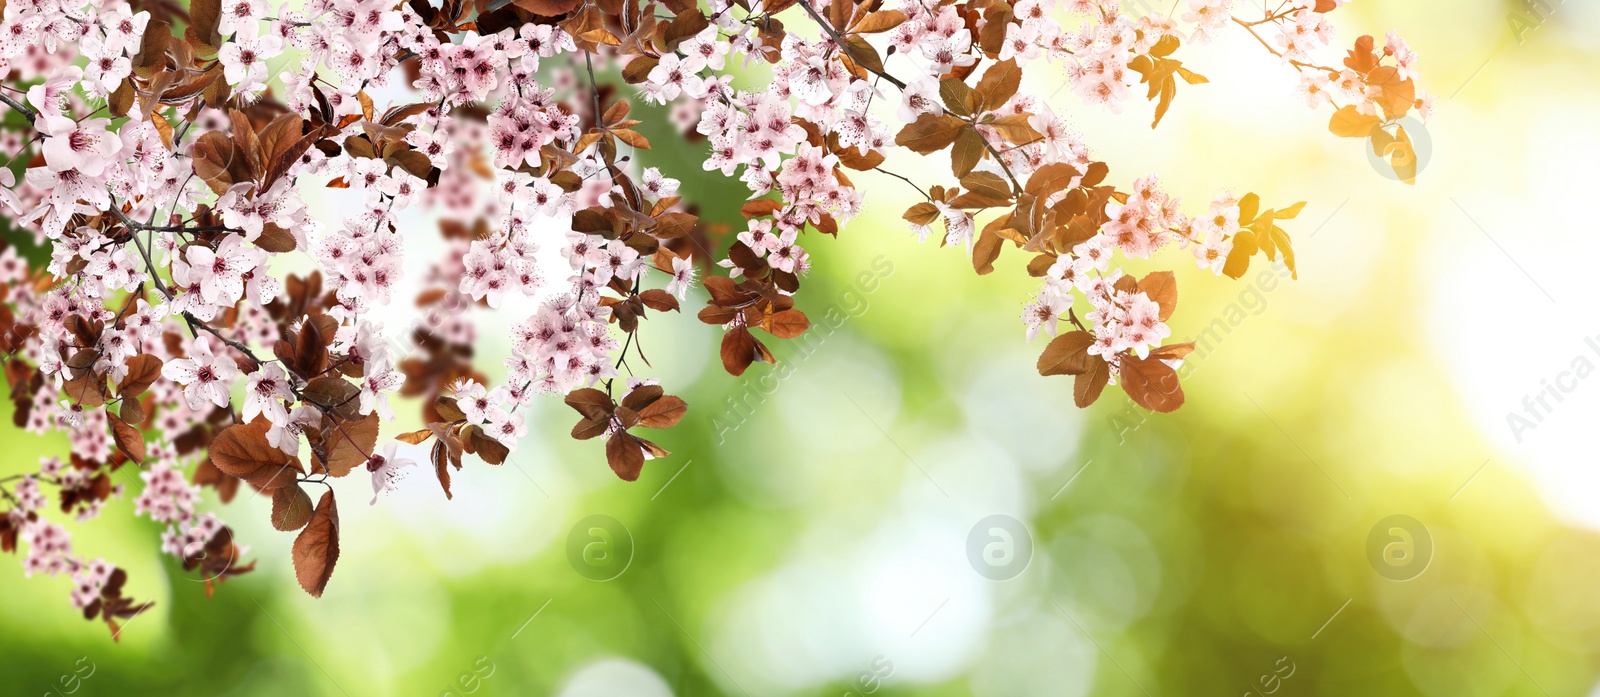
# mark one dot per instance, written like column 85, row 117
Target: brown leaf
column 760, row 207
column 787, row 324
column 624, row 454
column 490, row 450
column 351, row 443
column 415, row 437
column 1086, row 389
column 316, row 549
column 441, row 466
column 1068, row 354
column 1151, row 383
column 966, row 154
column 738, row 350
column 204, row 16
column 1173, row 352
column 86, row 390
column 874, row 22
column 143, row 370
column 999, row 83
column 930, row 132
column 638, row 69
column 674, row 225
column 1161, row 287
column 335, row 395
column 548, row 8
column 985, row 251
column 665, row 412
column 133, row 412
column 589, row 428
column 1016, row 129
column 275, row 239
column 591, row 403
column 128, row 439
column 922, row 213
column 660, row 300
column 242, row 451
column 291, row 508
column 448, row 409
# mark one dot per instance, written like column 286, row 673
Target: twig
column 27, row 111
column 846, row 47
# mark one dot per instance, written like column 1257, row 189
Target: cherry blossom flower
column 386, row 469
column 86, row 146
column 265, row 393
column 682, row 277
column 205, row 376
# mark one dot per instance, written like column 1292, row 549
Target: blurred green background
column 810, row 534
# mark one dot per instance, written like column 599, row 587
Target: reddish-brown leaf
column 352, row 442
column 291, row 508
column 1068, row 354
column 659, row 300
column 143, row 370
column 665, row 412
column 415, row 437
column 128, row 439
column 1151, row 383
column 624, row 454
column 1162, row 288
column 738, row 350
column 439, row 456
column 242, row 451
column 591, row 403
column 930, row 132
column 787, row 324
column 316, row 549
column 1087, row 387
column 998, row 84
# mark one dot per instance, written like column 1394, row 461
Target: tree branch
column 27, row 111
column 844, row 46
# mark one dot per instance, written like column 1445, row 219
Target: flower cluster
column 174, row 176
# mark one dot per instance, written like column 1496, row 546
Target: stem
column 1299, row 65
column 27, row 111
column 1016, row 185
column 826, row 27
column 906, row 180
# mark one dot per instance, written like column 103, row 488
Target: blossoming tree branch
column 164, row 167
